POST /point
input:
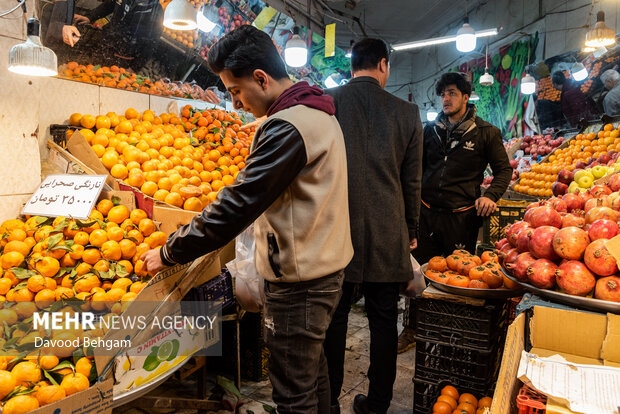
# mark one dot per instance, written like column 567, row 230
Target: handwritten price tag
column 69, row 195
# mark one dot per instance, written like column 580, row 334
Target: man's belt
column 447, row 210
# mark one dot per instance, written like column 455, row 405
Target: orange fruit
column 83, row 366
column 11, row 259
column 17, row 246
column 20, row 404
column 122, row 283
column 98, row 238
column 48, row 361
column 469, row 399
column 87, row 121
column 466, row 408
column 48, row 266
column 7, row 382
column 140, row 269
column 102, row 121
column 36, row 283
column 23, row 295
column 45, row 297
column 127, row 248
column 111, row 250
column 16, row 235
column 485, row 402
column 5, row 285
column 136, row 215
column 119, row 171
column 174, row 199
column 128, row 297
column 132, row 114
column 136, row 235
column 451, row 391
column 160, row 195
column 447, row 399
column 74, row 383
column 102, row 266
column 81, row 238
column 147, row 226
column 74, row 119
column 114, row 294
column 441, row 407
column 127, row 265
column 49, row 394
column 115, row 233
column 118, row 214
column 156, row 239
column 192, row 204
column 26, row 373
column 91, row 256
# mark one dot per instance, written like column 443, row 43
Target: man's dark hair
column 558, row 78
column 367, row 53
column 453, row 78
column 244, row 50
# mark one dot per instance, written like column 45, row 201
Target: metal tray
column 597, row 305
column 470, row 292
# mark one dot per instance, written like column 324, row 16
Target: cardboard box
column 94, row 400
column 579, row 337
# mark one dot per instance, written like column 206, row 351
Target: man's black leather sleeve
column 278, row 157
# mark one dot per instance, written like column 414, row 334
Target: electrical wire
column 4, row 13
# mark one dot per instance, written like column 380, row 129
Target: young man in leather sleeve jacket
column 294, row 190
column 458, row 146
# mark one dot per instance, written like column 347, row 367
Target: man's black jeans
column 296, row 318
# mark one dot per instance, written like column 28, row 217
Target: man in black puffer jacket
column 457, row 149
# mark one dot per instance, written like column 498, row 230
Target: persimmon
column 438, row 263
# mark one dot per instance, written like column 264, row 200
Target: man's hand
column 79, row 19
column 485, row 206
column 255, row 123
column 413, row 244
column 152, row 261
column 70, row 35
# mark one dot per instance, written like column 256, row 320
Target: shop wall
column 559, row 26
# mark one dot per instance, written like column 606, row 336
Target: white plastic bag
column 417, row 285
column 249, row 285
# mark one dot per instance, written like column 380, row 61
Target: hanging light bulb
column 296, row 52
column 486, row 79
column 466, row 37
column 600, row 34
column 31, row 57
column 579, row 71
column 528, row 84
column 349, row 51
column 333, row 80
column 431, row 114
column 206, row 20
column 474, row 96
column 180, row 15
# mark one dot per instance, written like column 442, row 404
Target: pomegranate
column 570, row 243
column 541, row 242
column 598, row 213
column 608, row 288
column 615, row 203
column 545, row 216
column 510, row 256
column 558, row 204
column 501, row 243
column 595, row 202
column 603, row 229
column 600, row 190
column 512, row 232
column 520, row 265
column 573, row 202
column 574, row 278
column 523, row 240
column 542, row 273
column 614, row 182
column 599, row 260
column 573, row 220
column 585, row 196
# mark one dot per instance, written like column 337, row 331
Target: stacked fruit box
column 456, row 343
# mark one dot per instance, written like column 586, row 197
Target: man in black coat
column 458, row 146
column 383, row 139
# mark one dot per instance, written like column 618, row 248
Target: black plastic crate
column 425, row 393
column 493, row 226
column 217, row 291
column 460, row 324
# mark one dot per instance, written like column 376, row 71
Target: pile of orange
column 47, row 260
column 540, row 179
column 185, row 37
column 465, row 270
column 451, row 402
column 180, row 160
column 121, row 78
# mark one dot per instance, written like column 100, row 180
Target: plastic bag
column 417, row 285
column 249, row 285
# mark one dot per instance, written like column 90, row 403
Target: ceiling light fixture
column 439, row 40
column 296, row 52
column 528, row 83
column 486, row 79
column 349, row 50
column 333, row 81
column 31, row 57
column 206, row 20
column 180, row 15
column 474, row 96
column 466, row 38
column 579, row 71
column 600, row 34
column 431, row 114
